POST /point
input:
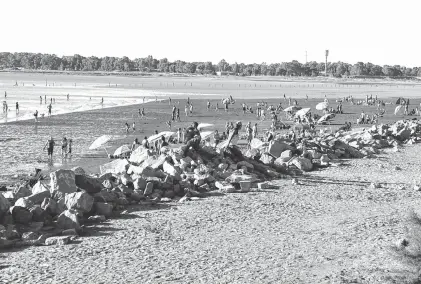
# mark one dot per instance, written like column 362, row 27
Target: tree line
column 38, row 61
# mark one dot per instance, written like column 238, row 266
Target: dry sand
column 332, row 228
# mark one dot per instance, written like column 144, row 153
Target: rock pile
column 34, row 215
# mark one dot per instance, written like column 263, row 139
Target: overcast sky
column 381, row 32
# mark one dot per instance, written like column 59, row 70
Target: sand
column 332, row 228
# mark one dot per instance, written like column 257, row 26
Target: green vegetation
column 38, row 61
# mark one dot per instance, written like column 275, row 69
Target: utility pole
column 327, row 54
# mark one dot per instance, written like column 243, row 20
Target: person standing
column 254, row 131
column 50, row 143
column 67, row 96
column 40, row 100
column 178, row 115
column 191, row 109
column 179, row 135
column 127, row 127
column 45, row 99
column 49, row 109
column 234, row 136
column 17, row 107
column 208, row 105
column 186, row 110
column 63, row 147
column 134, row 126
column 216, row 138
column 36, row 115
column 69, row 148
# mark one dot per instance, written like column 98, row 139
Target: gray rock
column 59, row 240
column 21, row 215
column 39, row 196
column 148, row 189
column 22, row 191
column 303, row 164
column 118, row 166
column 97, row 218
column 276, row 148
column 89, row 184
column 39, row 187
column 69, row 232
column 139, row 184
column 24, row 202
column 126, row 179
column 80, row 201
column 105, row 209
column 4, row 205
column 63, row 181
column 69, row 219
column 50, row 206
column 78, row 171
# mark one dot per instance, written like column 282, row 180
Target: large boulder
column 22, row 191
column 267, row 159
column 21, row 215
column 39, row 193
column 256, row 143
column 303, row 164
column 81, row 201
column 4, row 205
column 145, row 171
column 88, row 184
column 49, row 205
column 78, row 171
column 148, row 189
column 171, row 170
column 39, row 187
column 102, row 208
column 139, row 155
column 63, row 181
column 115, row 167
column 276, row 148
column 69, row 219
column 24, row 202
column 139, row 183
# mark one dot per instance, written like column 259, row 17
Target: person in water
column 69, row 149
column 50, row 143
column 63, row 147
column 17, row 107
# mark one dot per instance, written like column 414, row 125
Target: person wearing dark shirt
column 50, row 143
column 192, row 137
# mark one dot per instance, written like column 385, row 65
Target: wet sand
column 21, row 142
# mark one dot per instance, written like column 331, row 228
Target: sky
column 248, row 31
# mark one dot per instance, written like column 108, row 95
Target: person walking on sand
column 191, row 109
column 40, row 100
column 208, row 105
column 102, row 100
column 49, row 109
column 216, row 107
column 179, row 135
column 69, row 149
column 50, row 143
column 178, row 115
column 36, row 115
column 186, row 110
column 63, row 147
column 254, row 131
column 45, row 99
column 67, row 96
column 174, row 110
column 5, row 94
column 169, row 100
column 127, row 127
column 17, row 107
column 134, row 126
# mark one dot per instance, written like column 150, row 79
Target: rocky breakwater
column 57, row 211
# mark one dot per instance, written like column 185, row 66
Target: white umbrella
column 325, row 117
column 104, row 139
column 303, row 111
column 124, row 149
column 397, row 109
column 322, row 106
column 204, row 125
column 291, row 108
column 155, row 137
column 206, row 134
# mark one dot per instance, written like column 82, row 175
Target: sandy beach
column 83, row 118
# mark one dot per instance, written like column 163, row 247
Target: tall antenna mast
column 327, row 54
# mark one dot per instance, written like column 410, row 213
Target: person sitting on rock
column 233, row 138
column 192, row 137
